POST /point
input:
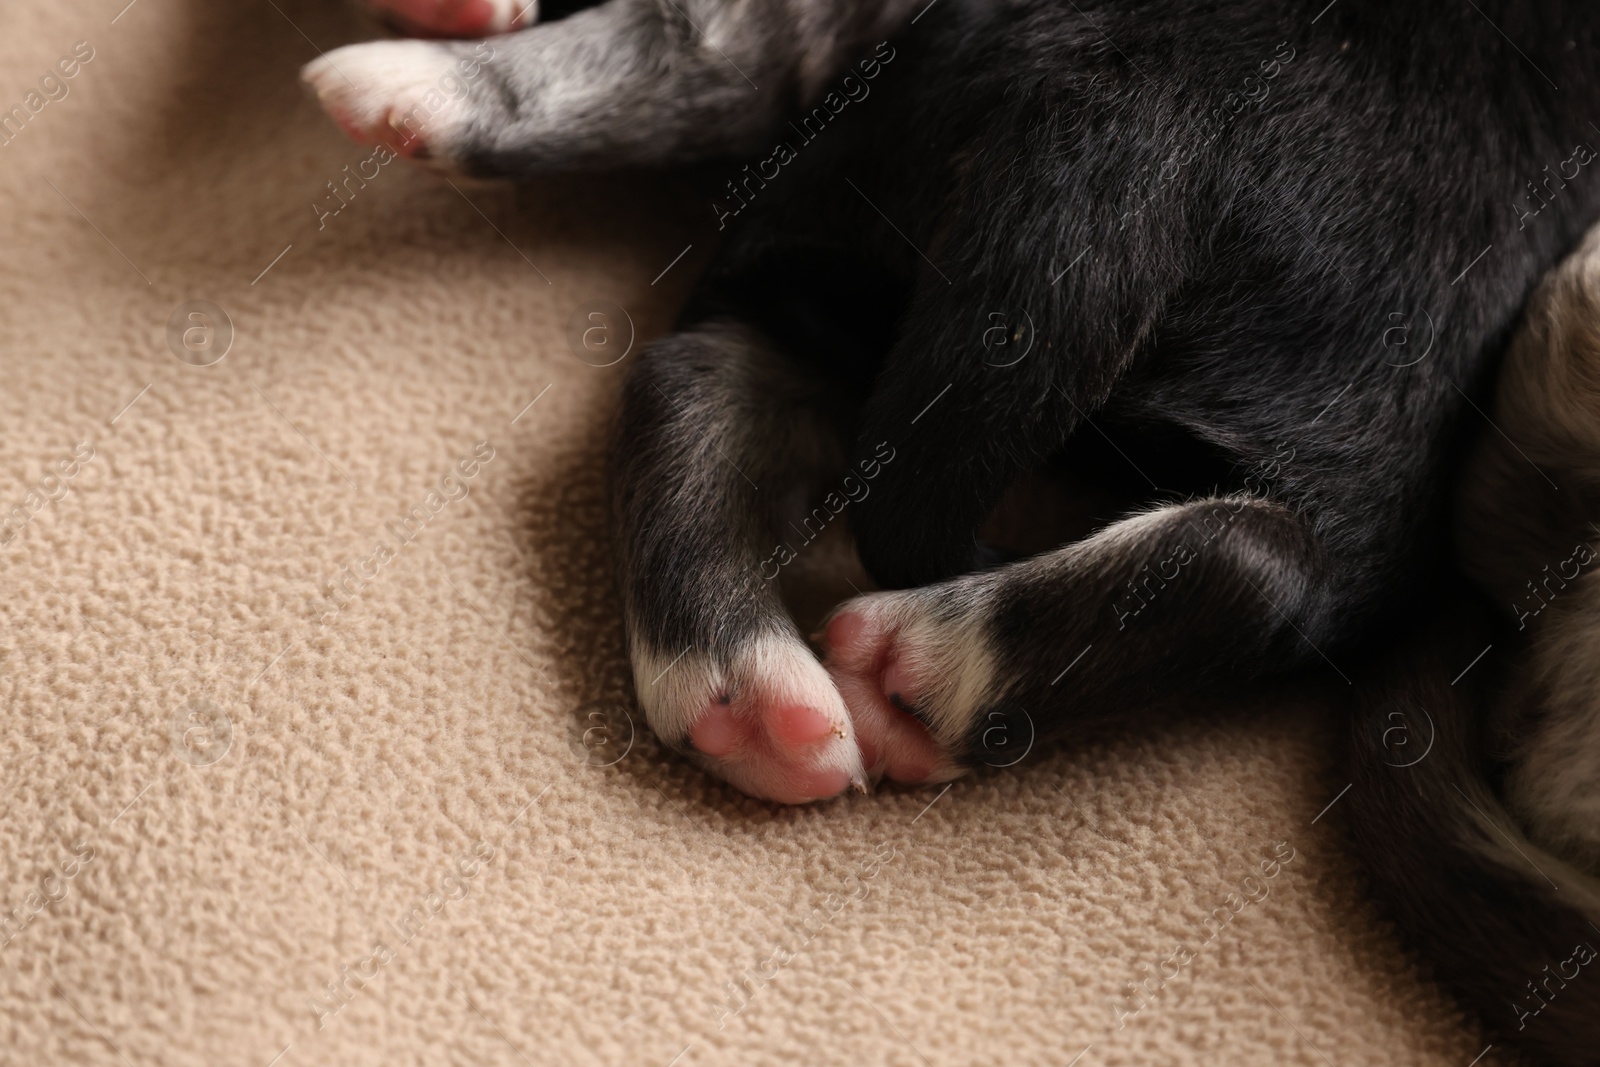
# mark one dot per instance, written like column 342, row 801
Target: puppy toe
column 408, row 95
column 892, row 686
column 767, row 719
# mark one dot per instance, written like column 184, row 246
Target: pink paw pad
column 797, row 724
column 824, row 783
column 844, row 630
column 782, row 727
column 897, row 686
column 879, row 687
column 717, row 733
column 456, row 18
column 767, row 720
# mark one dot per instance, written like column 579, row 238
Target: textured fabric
column 244, row 819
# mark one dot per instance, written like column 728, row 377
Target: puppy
column 1253, row 297
column 1240, row 272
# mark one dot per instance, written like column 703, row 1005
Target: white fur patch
column 939, row 641
column 677, row 688
column 947, row 651
column 409, row 88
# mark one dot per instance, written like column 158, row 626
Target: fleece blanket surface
column 319, row 743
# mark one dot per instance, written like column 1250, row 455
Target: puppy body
column 1266, row 343
column 1245, row 267
column 1269, row 345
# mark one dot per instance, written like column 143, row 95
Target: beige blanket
column 311, row 667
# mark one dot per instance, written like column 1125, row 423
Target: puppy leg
column 716, row 433
column 627, row 83
column 979, row 668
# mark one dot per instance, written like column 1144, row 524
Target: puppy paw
column 455, row 18
column 413, row 96
column 768, row 720
column 914, row 669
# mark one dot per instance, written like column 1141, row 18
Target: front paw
column 415, row 97
column 765, row 718
column 916, row 670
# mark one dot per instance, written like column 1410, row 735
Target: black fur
column 1239, row 310
column 1218, row 293
column 1497, row 916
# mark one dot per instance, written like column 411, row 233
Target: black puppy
column 1244, row 269
column 1240, row 270
column 1248, row 273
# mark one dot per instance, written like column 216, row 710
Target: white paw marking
column 939, row 652
column 892, row 654
column 742, row 705
column 409, row 95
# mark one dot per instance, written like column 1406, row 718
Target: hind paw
column 768, row 721
column 907, row 690
column 914, row 673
